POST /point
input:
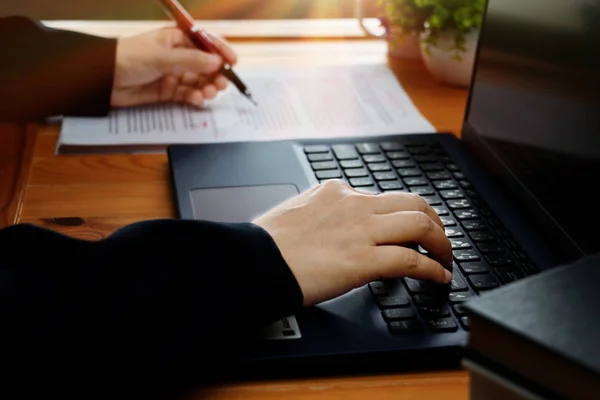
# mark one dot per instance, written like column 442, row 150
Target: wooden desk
column 91, row 196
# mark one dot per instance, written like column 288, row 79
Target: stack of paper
column 324, row 102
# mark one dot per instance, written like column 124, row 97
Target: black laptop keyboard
column 485, row 254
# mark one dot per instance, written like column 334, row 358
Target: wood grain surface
column 93, row 195
column 16, row 149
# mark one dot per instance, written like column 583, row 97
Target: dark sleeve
column 47, row 72
column 163, row 297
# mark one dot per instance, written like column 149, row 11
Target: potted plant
column 449, row 38
column 403, row 21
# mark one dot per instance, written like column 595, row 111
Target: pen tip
column 249, row 96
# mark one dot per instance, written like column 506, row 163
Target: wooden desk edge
column 18, row 143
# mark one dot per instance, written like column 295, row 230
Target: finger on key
column 391, row 202
column 397, row 262
column 413, row 227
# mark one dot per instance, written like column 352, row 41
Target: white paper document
column 324, row 102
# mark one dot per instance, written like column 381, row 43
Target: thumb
column 189, row 60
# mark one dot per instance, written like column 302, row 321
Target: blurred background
column 200, row 9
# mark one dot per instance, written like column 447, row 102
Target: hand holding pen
column 163, row 66
column 203, row 41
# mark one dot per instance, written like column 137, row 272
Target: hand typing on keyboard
column 336, row 238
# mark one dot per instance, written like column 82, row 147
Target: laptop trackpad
column 240, row 203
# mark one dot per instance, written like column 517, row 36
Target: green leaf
column 435, row 17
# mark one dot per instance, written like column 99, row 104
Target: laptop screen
column 533, row 117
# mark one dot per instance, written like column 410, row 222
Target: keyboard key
column 328, row 174
column 458, row 204
column 432, row 167
column 473, row 268
column 320, row 157
column 438, row 149
column 452, row 167
column 408, row 172
column 473, row 225
column 416, row 182
column 509, row 274
column 351, row 164
column 499, row 260
column 422, row 190
column 442, row 325
column 403, row 163
column 397, row 155
column 434, row 311
column 368, row 148
column 452, row 232
column 423, row 158
column 404, row 327
column 466, row 185
column 316, row 149
column 394, row 314
column 432, row 200
column 460, row 244
column 447, row 221
column 491, row 248
column 392, row 302
column 470, row 192
column 356, row 172
column 486, row 212
column 374, row 167
column 384, row 176
column 442, row 185
column 379, row 288
column 466, row 214
column 521, row 256
column 391, row 146
column 356, row 182
column 438, row 175
column 459, row 309
column 451, row 194
column 465, row 255
column 483, row 281
column 417, row 149
column 317, row 166
column 428, row 299
column 374, row 158
column 344, row 152
column 390, row 185
column 530, row 268
column 459, row 297
column 440, row 210
column 419, row 286
column 457, row 284
column 482, row 236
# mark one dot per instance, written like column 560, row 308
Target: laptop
column 516, row 194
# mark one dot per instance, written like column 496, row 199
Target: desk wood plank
column 144, row 199
column 16, row 148
column 425, row 386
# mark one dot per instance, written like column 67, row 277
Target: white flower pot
column 446, row 64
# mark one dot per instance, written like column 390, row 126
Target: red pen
column 186, row 23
